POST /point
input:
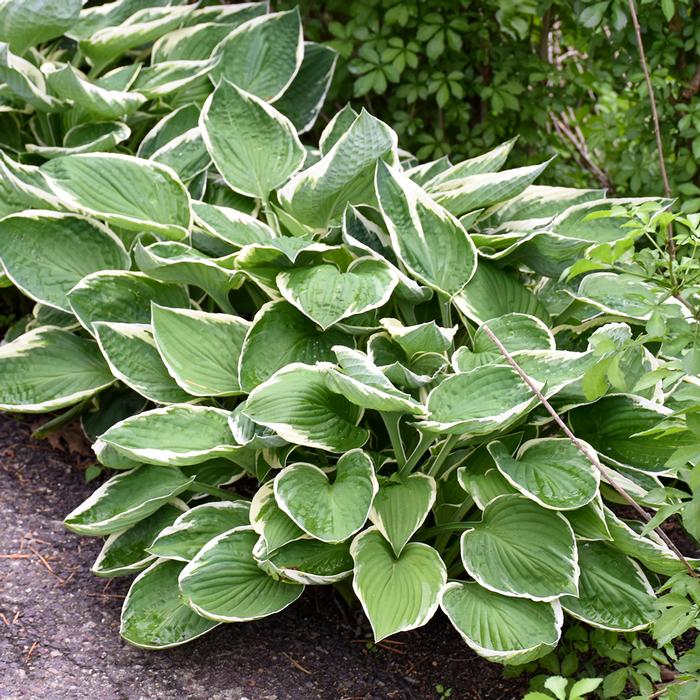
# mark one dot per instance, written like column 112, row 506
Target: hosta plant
column 323, row 364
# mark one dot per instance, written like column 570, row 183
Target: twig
column 296, row 664
column 30, row 652
column 592, row 457
column 670, row 243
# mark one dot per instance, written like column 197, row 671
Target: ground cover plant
column 431, row 385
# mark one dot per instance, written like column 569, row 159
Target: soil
column 59, row 624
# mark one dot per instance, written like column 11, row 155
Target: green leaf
column 274, row 526
column 85, row 138
column 124, row 552
column 318, row 195
column 132, row 357
column 423, row 337
column 312, row 562
column 521, row 549
column 550, row 471
column 397, row 593
column 327, row 295
column 620, row 295
column 37, row 250
column 428, row 240
column 130, row 192
column 174, row 436
column 200, row 349
column 400, row 508
column 303, row 99
column 589, row 522
column 516, row 331
column 254, row 147
column 25, row 23
column 263, row 55
column 25, row 83
column 154, row 616
column 280, row 335
column 489, row 162
column 186, row 154
column 613, row 592
column 298, row 406
column 493, row 292
column 224, row 582
column 67, row 83
column 500, row 628
column 125, row 499
column 328, row 511
column 182, row 539
column 231, row 225
column 166, row 77
column 49, row 368
column 488, row 398
column 122, row 297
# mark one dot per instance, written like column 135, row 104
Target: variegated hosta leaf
column 124, row 552
column 615, row 425
column 132, row 357
column 163, row 78
column 224, row 582
column 200, row 349
column 154, row 615
column 177, row 435
column 49, row 368
column 303, row 98
column 550, row 471
column 126, row 499
column 67, row 83
column 471, row 192
column 85, row 138
column 183, row 538
column 362, row 383
column 489, row 162
column 589, row 522
column 274, row 526
column 169, row 128
column 328, row 511
column 104, row 46
column 186, row 154
column 423, row 337
column 296, row 403
column 24, row 82
column 122, row 297
column 397, row 593
column 327, row 295
column 231, row 225
column 486, row 399
column 263, row 55
column 401, row 506
column 484, row 486
column 37, row 249
column 280, row 335
column 312, row 562
column 521, row 549
column 254, row 147
column 502, row 629
column 318, row 195
column 123, row 190
column 613, row 594
column 181, row 264
column 492, row 292
column 429, row 241
column 516, row 331
column 25, row 23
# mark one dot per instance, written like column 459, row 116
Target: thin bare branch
column 589, row 454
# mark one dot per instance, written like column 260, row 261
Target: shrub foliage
column 333, row 328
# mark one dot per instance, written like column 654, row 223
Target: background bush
column 457, row 77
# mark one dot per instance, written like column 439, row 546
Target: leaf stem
column 270, row 217
column 201, row 487
column 445, row 310
column 442, row 455
column 447, row 527
column 426, row 440
column 589, row 454
column 391, row 421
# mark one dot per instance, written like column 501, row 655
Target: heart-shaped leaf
column 296, row 403
column 613, row 594
column 430, row 242
column 154, row 616
column 330, row 512
column 224, row 582
column 521, row 549
column 37, row 250
column 401, row 506
column 274, row 526
column 502, row 629
column 125, row 499
column 312, row 562
column 397, row 593
column 183, row 538
column 550, row 471
column 326, row 295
